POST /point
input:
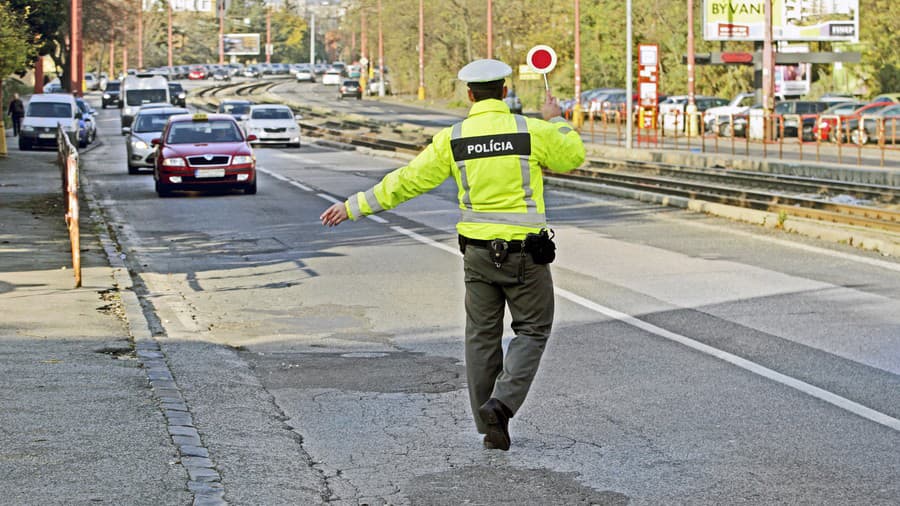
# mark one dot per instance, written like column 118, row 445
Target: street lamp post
column 268, row 34
column 169, row 31
column 220, row 7
column 140, row 34
column 577, row 113
column 691, row 109
column 421, row 49
column 380, row 54
column 629, row 87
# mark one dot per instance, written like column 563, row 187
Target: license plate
column 47, row 136
column 203, row 173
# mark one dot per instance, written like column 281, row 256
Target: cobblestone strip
column 204, row 480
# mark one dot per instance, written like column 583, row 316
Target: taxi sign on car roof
column 200, row 117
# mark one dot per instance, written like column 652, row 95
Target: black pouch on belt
column 541, row 246
column 499, row 250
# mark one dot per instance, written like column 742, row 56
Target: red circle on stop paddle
column 541, row 59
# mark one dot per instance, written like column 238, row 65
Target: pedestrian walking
column 496, row 159
column 16, row 111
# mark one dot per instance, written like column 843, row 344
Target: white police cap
column 483, row 71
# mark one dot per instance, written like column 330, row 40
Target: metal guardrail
column 67, row 159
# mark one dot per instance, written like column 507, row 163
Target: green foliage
column 14, row 41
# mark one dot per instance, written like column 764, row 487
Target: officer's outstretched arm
column 426, row 172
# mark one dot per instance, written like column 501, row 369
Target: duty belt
column 511, row 246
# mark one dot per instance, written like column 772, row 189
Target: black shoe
column 494, row 414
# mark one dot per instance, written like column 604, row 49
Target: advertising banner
column 241, row 43
column 792, row 20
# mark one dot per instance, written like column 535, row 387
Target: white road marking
column 893, row 266
column 747, row 365
column 285, row 179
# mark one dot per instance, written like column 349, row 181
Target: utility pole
column 691, row 109
column 79, row 64
column 421, row 49
column 112, row 54
column 490, row 29
column 380, row 54
column 629, row 77
column 74, row 85
column 140, row 34
column 169, row 33
column 363, row 51
column 577, row 113
column 220, row 7
column 268, row 34
column 312, row 41
column 768, row 72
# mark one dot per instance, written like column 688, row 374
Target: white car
column 273, row 124
column 332, row 78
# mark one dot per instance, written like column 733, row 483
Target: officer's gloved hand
column 550, row 108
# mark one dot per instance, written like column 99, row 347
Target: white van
column 141, row 89
column 43, row 114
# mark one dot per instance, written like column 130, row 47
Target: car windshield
column 138, row 97
column 197, row 132
column 841, row 108
column 49, row 110
column 271, row 114
column 873, row 109
column 112, row 86
column 176, row 87
column 234, row 109
column 152, row 122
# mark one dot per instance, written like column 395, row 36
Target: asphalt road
column 693, row 360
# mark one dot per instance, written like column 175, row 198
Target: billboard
column 792, row 20
column 241, row 43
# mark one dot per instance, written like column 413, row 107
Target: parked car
column 197, row 73
column 828, row 126
column 203, row 151
column 513, row 102
column 111, row 94
column 822, row 129
column 350, row 88
column 91, row 82
column 273, row 124
column 87, row 123
column 738, row 105
column 42, row 115
column 177, row 94
column 886, row 118
column 148, row 124
column 221, row 74
column 669, row 105
column 888, row 97
column 251, row 71
column 808, row 110
column 53, row 87
column 374, row 85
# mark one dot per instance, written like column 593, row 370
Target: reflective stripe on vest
column 519, row 143
column 371, row 201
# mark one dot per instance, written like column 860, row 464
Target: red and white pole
column 490, row 29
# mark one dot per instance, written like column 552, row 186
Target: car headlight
column 241, row 160
column 106, row 95
column 28, row 128
column 173, row 162
column 139, row 144
column 182, row 95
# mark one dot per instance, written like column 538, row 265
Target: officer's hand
column 551, row 108
column 334, row 215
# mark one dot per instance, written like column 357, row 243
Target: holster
column 541, row 246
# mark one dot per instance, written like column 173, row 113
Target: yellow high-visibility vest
column 496, row 159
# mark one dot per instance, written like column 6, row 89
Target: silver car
column 148, row 124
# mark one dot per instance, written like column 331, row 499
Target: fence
column 870, row 138
column 67, row 159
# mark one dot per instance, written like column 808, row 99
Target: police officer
column 496, row 159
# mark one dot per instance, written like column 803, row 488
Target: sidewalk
column 78, row 422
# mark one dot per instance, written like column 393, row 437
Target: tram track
column 874, row 207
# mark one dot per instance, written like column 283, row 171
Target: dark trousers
column 17, row 124
column 489, row 291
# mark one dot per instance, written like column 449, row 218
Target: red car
column 203, row 151
column 826, row 128
column 197, row 73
